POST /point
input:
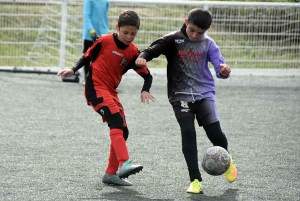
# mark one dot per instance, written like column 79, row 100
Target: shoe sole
column 230, row 181
column 111, row 183
column 201, row 192
column 130, row 172
column 115, row 184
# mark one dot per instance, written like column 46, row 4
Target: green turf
column 54, row 147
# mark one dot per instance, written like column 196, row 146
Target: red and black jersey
column 109, row 60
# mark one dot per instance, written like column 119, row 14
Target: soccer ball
column 216, row 161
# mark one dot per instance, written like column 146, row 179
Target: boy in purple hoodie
column 191, row 87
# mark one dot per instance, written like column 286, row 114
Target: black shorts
column 86, row 45
column 204, row 110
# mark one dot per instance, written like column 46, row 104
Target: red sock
column 119, row 145
column 113, row 163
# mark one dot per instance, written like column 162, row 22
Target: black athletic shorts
column 204, row 110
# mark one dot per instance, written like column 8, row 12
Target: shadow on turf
column 125, row 193
column 228, row 195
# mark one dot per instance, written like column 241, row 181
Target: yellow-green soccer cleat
column 195, row 187
column 231, row 173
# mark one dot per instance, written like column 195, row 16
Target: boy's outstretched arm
column 79, row 64
column 157, row 48
column 90, row 55
column 145, row 93
column 144, row 72
column 215, row 57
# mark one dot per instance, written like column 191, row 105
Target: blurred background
column 251, row 34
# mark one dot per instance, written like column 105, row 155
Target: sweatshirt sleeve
column 157, row 48
column 216, row 58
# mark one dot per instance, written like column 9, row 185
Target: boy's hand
column 224, row 70
column 146, row 97
column 93, row 34
column 65, row 73
column 140, row 62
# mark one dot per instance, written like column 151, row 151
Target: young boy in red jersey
column 110, row 57
column 191, row 87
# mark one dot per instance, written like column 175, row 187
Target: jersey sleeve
column 146, row 75
column 215, row 57
column 90, row 56
column 80, row 63
column 142, row 71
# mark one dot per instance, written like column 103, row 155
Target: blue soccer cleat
column 114, row 179
column 128, row 169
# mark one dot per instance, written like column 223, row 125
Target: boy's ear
column 117, row 27
column 186, row 21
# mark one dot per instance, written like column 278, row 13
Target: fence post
column 63, row 27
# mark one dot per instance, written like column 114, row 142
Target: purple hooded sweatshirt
column 189, row 78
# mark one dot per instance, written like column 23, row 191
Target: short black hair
column 199, row 17
column 129, row 18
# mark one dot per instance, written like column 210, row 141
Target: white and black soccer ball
column 216, row 161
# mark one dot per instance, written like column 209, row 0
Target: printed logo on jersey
column 178, row 41
column 189, row 55
column 203, row 44
column 117, row 53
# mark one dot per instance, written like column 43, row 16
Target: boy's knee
column 188, row 131
column 187, row 125
column 113, row 120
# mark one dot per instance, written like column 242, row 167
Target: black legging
column 189, row 143
column 215, row 135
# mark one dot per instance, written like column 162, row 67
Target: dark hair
column 129, row 18
column 199, row 17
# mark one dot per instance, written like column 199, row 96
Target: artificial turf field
column 54, row 147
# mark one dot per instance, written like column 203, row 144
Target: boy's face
column 126, row 34
column 193, row 32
